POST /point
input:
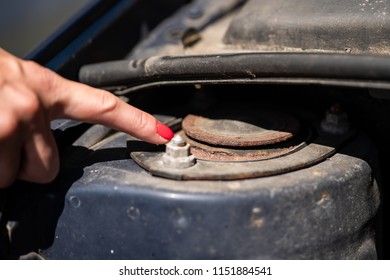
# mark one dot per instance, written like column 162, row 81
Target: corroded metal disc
column 236, row 154
column 248, row 129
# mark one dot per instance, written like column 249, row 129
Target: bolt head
column 178, row 141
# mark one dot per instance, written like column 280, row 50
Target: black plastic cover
column 330, row 25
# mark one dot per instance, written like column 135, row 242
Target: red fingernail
column 164, row 131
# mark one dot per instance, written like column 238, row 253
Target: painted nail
column 164, row 131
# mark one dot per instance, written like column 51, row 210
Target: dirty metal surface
column 233, row 129
column 212, row 170
column 320, row 148
column 184, row 29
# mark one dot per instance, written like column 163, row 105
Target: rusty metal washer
column 238, row 154
column 262, row 127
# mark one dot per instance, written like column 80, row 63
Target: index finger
column 81, row 102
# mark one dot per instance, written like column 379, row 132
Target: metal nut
column 177, row 154
column 336, row 121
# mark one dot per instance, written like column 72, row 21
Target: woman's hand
column 31, row 96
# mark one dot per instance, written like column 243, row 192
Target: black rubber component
column 118, row 211
column 245, row 66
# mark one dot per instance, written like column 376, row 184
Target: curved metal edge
column 206, row 170
column 383, row 85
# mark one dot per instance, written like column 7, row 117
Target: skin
column 31, row 96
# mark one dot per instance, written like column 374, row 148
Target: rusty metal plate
column 242, row 129
column 205, row 151
column 321, row 147
column 209, row 170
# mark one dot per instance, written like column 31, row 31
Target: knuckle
column 11, row 67
column 28, row 106
column 9, row 125
column 44, row 79
column 140, row 120
column 107, row 102
column 20, row 102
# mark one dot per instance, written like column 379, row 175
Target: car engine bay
column 281, row 111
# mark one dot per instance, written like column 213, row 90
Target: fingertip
column 164, row 131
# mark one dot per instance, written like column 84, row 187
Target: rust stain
column 324, row 197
